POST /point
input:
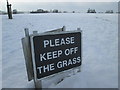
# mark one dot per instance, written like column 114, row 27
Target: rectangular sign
column 56, row 53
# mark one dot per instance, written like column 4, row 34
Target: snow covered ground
column 100, row 48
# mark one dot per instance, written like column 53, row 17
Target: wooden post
column 28, row 58
column 9, row 10
column 26, row 32
column 27, row 54
column 38, row 83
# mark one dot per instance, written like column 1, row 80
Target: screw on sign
column 55, row 53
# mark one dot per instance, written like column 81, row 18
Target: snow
column 100, row 49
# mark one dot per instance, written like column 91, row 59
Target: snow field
column 99, row 45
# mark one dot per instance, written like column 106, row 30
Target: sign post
column 53, row 52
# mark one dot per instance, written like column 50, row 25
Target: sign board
column 53, row 53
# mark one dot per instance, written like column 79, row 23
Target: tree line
column 15, row 11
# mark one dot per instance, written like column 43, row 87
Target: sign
column 55, row 53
